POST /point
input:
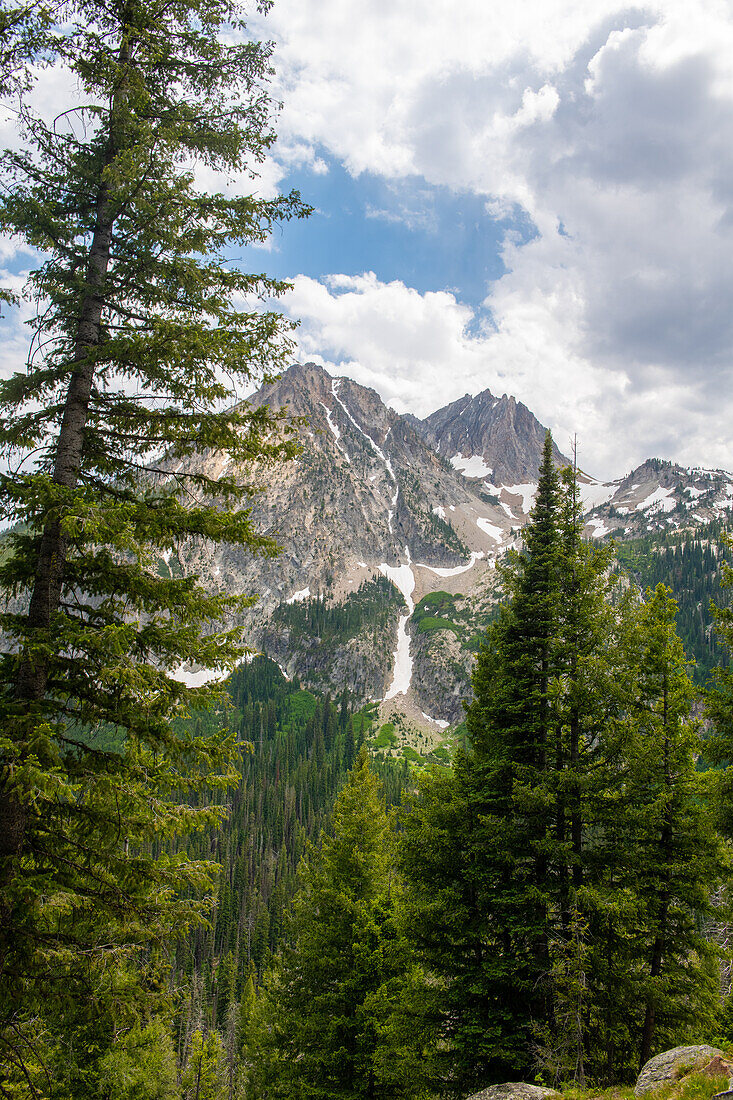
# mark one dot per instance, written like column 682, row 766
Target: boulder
column 514, row 1090
column 672, row 1064
column 717, row 1067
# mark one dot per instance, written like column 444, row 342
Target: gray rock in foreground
column 514, row 1090
column 672, row 1064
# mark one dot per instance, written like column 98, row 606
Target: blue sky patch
column 430, row 238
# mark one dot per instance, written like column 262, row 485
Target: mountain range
column 391, row 527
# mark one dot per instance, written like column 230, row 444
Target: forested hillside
column 297, row 751
column 548, row 903
column 690, row 562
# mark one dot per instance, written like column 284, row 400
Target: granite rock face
column 431, row 505
column 365, row 498
column 514, row 1090
column 671, row 1064
column 501, row 430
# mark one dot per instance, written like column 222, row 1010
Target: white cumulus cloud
column 609, row 126
column 420, row 351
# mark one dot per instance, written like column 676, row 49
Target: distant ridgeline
column 303, row 747
column 690, row 563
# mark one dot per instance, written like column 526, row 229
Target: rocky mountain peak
column 391, row 527
column 661, row 495
column 502, row 437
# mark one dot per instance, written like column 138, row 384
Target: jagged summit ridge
column 367, row 502
column 500, row 434
column 381, row 512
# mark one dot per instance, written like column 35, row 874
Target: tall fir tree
column 482, row 834
column 549, row 897
column 144, row 338
column 682, row 861
column 339, row 1015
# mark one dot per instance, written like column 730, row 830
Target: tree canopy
column 144, row 339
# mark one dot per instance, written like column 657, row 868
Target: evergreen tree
column 681, row 860
column 559, row 875
column 141, row 344
column 334, row 1018
column 719, row 705
column 205, row 1076
column 477, row 854
column 140, row 1065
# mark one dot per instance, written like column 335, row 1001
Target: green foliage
column 340, row 1012
column 560, row 1046
column 386, row 737
column 428, row 624
column 560, row 875
column 302, row 748
column 372, row 606
column 691, row 563
column 301, row 706
column 205, row 1075
column 26, row 38
column 144, row 340
column 443, row 611
column 441, row 753
column 438, row 603
column 140, row 1065
column 719, row 707
column 682, row 858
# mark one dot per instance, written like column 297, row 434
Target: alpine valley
column 391, row 528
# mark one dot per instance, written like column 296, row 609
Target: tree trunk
column 665, row 845
column 647, row 1035
column 576, row 815
column 45, row 598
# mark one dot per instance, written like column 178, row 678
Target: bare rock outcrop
column 673, row 1064
column 514, row 1090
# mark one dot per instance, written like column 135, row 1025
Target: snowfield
column 403, row 578
column 473, row 466
column 301, row 594
column 526, row 490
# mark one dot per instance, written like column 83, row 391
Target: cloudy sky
column 534, row 197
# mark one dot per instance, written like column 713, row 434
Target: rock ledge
column 514, row 1090
column 672, row 1064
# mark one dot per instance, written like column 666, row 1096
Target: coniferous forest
column 226, row 891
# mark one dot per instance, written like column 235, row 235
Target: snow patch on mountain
column 599, row 528
column 456, row 570
column 473, row 466
column 592, row 493
column 335, row 430
column 375, row 447
column 198, row 677
column 725, row 501
column 403, row 578
column 494, row 532
column 526, row 491
column 301, row 594
column 437, row 721
column 662, row 497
